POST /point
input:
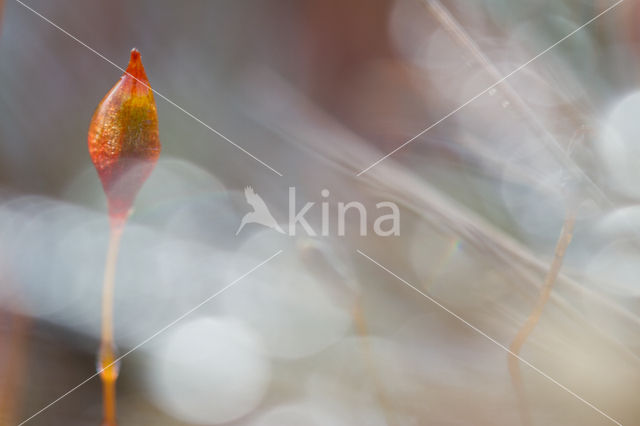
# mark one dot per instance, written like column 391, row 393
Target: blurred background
column 320, row 90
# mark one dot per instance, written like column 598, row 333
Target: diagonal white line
column 148, row 339
column 154, row 91
column 497, row 83
column 500, row 345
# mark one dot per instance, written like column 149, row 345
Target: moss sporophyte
column 124, row 146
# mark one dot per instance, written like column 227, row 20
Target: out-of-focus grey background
column 320, row 91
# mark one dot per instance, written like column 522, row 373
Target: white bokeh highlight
column 208, row 371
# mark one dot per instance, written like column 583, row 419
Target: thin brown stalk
column 107, row 356
column 13, row 365
column 545, row 292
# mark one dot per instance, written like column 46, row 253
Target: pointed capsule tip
column 135, row 68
